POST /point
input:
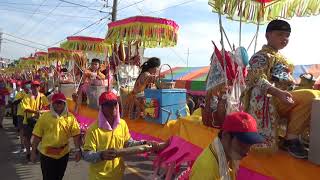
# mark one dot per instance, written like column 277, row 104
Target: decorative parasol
column 41, row 58
column 56, row 53
column 25, row 65
column 82, row 43
column 262, row 11
column 23, row 60
column 27, row 61
column 150, row 32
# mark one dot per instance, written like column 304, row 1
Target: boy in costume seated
column 268, row 98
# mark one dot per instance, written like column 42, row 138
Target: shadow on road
column 13, row 166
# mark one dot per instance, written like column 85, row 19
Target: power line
column 130, row 5
column 181, row 58
column 13, row 7
column 82, row 29
column 52, row 10
column 185, row 2
column 23, row 44
column 81, row 5
column 156, row 11
column 66, row 21
column 100, row 31
column 27, row 4
column 32, row 15
column 140, row 10
column 98, row 28
column 25, row 40
column 44, row 13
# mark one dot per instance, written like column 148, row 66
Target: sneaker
column 297, row 150
column 22, row 150
column 284, row 144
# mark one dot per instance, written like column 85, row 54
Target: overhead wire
column 33, row 4
column 44, row 13
column 95, row 29
column 65, row 21
column 16, row 42
column 82, row 29
column 23, row 39
column 79, row 31
column 53, row 28
column 130, row 5
column 172, row 6
column 99, row 27
column 185, row 2
column 52, row 10
column 141, row 12
column 69, row 2
column 86, row 27
column 25, row 22
column 151, row 12
column 101, row 30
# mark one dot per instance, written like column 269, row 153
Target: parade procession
column 159, row 90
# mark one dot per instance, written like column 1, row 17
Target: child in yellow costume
column 268, row 97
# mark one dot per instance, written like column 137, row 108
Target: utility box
column 163, row 105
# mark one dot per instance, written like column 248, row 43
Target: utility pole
column 114, row 10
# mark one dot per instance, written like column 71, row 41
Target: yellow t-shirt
column 206, row 167
column 197, row 112
column 33, row 104
column 99, row 140
column 55, row 133
column 20, row 95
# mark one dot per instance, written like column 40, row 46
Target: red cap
column 18, row 83
column 12, row 81
column 35, row 83
column 243, row 126
column 107, row 97
column 58, row 97
column 239, row 122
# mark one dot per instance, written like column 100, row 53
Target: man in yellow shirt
column 32, row 105
column 20, row 114
column 52, row 131
column 220, row 160
column 104, row 138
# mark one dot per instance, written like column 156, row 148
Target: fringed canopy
column 150, row 32
column 56, row 53
column 82, row 43
column 263, row 11
column 41, row 58
column 26, row 62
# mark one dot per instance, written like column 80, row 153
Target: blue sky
column 55, row 20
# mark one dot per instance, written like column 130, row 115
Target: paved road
column 15, row 167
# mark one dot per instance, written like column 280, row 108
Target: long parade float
column 187, row 133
